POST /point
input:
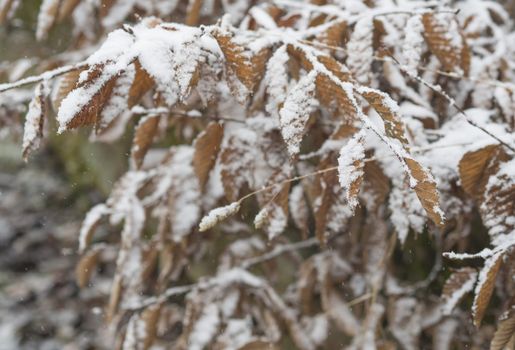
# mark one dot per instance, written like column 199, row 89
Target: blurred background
column 42, row 204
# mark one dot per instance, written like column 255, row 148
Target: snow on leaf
column 485, row 286
column 444, row 38
column 143, row 139
column 360, row 50
column 413, row 44
column 34, row 120
column 457, row 285
column 276, row 80
column 217, row 215
column 350, row 168
column 89, row 224
column 297, row 108
column 46, row 18
column 207, row 145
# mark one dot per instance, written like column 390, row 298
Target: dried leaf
column 86, row 265
column 426, row 191
column 457, row 285
column 472, row 169
column 446, row 42
column 48, row 13
column 207, row 145
column 504, row 333
column 143, row 139
column 485, row 287
column 350, row 168
column 34, row 120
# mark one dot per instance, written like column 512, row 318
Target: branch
column 278, row 250
column 44, row 76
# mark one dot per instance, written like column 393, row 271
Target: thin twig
column 441, row 92
column 454, row 75
column 44, row 76
column 278, row 250
column 188, row 114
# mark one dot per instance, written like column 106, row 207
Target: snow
column 205, row 328
column 297, row 108
column 456, row 296
column 350, row 165
column 92, row 218
column 218, row 214
column 413, row 44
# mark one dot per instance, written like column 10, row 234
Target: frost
column 296, row 110
column 350, row 167
column 217, row 215
column 205, row 328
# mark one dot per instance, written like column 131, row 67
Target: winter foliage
column 328, row 136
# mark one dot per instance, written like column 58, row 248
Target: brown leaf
column 193, row 12
column 143, row 139
column 90, row 112
column 505, row 332
column 66, row 8
column 426, row 191
column 86, row 265
column 248, row 71
column 142, row 83
column 440, row 34
column 457, row 279
column 47, row 17
column 207, row 145
column 114, row 297
column 485, row 287
column 472, row 169
column 67, row 83
column 259, row 345
column 6, row 10
column 34, row 120
column 392, row 122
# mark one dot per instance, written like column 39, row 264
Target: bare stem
column 44, row 76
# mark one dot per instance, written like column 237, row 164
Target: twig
column 278, row 251
column 44, row 76
column 454, row 75
column 188, row 114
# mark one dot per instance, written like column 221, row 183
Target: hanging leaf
column 485, row 287
column 207, row 145
column 350, row 168
column 457, row 285
column 143, row 139
column 34, row 120
column 446, row 42
column 297, row 108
